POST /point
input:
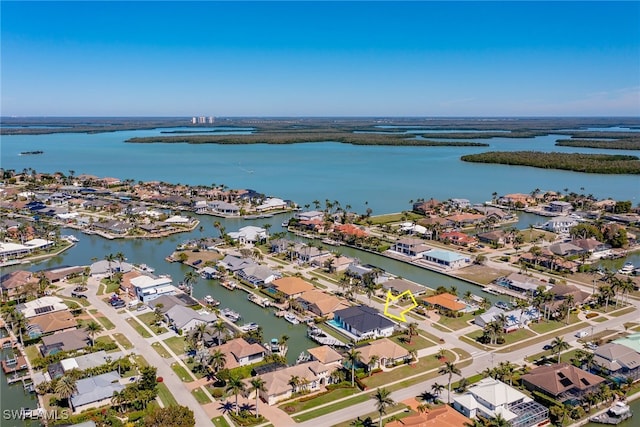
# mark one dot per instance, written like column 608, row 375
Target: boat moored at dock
column 616, row 413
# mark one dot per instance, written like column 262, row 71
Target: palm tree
column 437, row 389
column 43, row 284
column 569, row 303
column 282, row 343
column 257, row 385
column 92, row 329
column 559, row 345
column 449, row 369
column 294, row 382
column 383, row 400
column 219, row 328
column 353, row 357
column 373, row 361
column 118, row 399
column 412, row 329
column 190, row 279
column 498, row 421
column 65, row 388
column 217, row 360
column 110, row 258
column 235, row 385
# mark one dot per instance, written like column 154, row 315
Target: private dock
column 322, row 338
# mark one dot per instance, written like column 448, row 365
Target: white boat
column 247, row 327
column 233, row 316
column 627, row 268
column 291, row 318
column 616, row 413
column 275, row 345
column 209, row 300
column 145, row 267
column 619, row 408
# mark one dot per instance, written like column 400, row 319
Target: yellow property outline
column 392, row 299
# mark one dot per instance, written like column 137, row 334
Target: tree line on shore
column 617, row 144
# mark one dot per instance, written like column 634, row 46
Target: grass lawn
column 417, row 342
column 148, row 319
column 201, row 396
column 424, row 364
column 80, row 301
column 330, row 408
column 176, row 344
column 396, row 217
column 510, row 338
column 32, row 352
column 462, row 354
column 333, row 395
column 140, row 360
column 599, row 319
column 481, row 274
column 456, row 323
column 161, row 350
column 429, row 336
column 220, row 422
column 622, row 312
column 545, row 326
column 100, row 289
column 106, row 323
column 181, row 372
column 423, row 377
column 139, row 328
column 123, row 341
column 441, row 328
column 105, row 339
column 165, row 395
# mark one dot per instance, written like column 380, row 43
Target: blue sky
column 320, row 58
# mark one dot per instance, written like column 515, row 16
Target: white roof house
column 104, row 267
column 249, row 234
column 177, row 219
column 489, row 398
column 41, row 306
column 271, row 204
column 185, row 319
column 91, row 360
column 96, row 391
column 147, row 288
column 560, row 224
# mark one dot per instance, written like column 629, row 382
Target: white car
column 582, row 334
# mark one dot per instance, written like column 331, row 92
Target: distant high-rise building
column 194, row 120
column 202, row 120
column 211, row 120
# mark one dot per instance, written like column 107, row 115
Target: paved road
column 143, row 347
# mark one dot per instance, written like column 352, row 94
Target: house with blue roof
column 447, row 259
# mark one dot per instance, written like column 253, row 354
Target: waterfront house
column 526, row 285
column 325, row 355
column 489, row 398
column 165, row 302
column 104, row 267
column 388, row 353
column 459, row 203
column 243, row 353
column 560, row 224
column 306, row 254
column 9, row 250
column 56, row 275
column 517, row 200
column 313, row 377
column 412, row 228
column 439, row 416
column 595, row 248
column 410, row 247
column 91, row 360
column 258, row 275
column 398, row 286
column 514, row 319
column 566, row 249
column 559, row 207
column 50, row 323
column 617, row 360
column 147, row 288
column 495, row 237
column 234, row 264
column 64, row 341
column 14, row 284
column 224, row 208
column 184, row 319
column 113, row 227
column 37, row 307
column 465, row 219
column 249, row 235
column 363, row 322
column 270, row 204
column 340, row 263
column 320, row 303
column 457, row 238
column 350, row 230
column 426, row 207
column 444, row 301
column 562, row 381
column 446, row 259
column 309, row 216
column 291, row 286
column 96, row 391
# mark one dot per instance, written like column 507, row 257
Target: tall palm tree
column 412, row 329
column 43, row 284
column 257, row 385
column 449, row 369
column 437, row 389
column 373, row 362
column 559, row 345
column 282, row 343
column 383, row 400
column 569, row 303
column 65, row 388
column 294, row 382
column 190, row 279
column 217, row 360
column 110, row 258
column 219, row 328
column 353, row 357
column 235, row 385
column 92, row 329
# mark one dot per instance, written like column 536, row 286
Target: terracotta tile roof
column 292, row 285
column 445, row 300
column 350, row 229
column 16, row 279
column 325, row 354
column 326, row 303
column 52, row 322
column 442, row 416
column 558, row 378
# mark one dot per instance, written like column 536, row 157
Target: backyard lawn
column 330, row 408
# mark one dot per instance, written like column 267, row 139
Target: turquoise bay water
column 381, row 178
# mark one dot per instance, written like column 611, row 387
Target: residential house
column 271, row 203
column 490, row 398
column 412, row 228
column 559, row 207
column 459, row 203
column 258, row 275
column 13, row 284
column 457, row 238
column 50, row 323
column 566, row 249
column 309, row 216
column 10, row 250
column 465, row 219
column 64, row 341
column 165, row 302
column 249, row 235
column 184, row 319
column 495, row 237
column 387, row 352
column 305, row 253
column 595, row 248
column 410, row 247
column 292, row 287
column 560, row 224
column 96, row 391
column 243, row 353
column 147, row 288
column 313, row 376
column 340, row 263
column 350, row 229
column 234, row 264
column 514, row 319
column 325, row 355
column 445, row 301
column 561, row 381
column 426, row 207
column 363, row 322
column 320, row 303
column 91, row 360
column 398, row 286
column 526, row 285
column 561, row 293
column 516, row 200
column 617, row 360
column 117, row 228
column 440, row 416
column 64, row 273
column 43, row 305
column 219, row 206
column 104, row 267
column 446, row 259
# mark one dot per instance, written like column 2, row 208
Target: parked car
column 547, row 347
column 591, row 346
column 582, row 334
column 119, row 304
column 78, row 295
